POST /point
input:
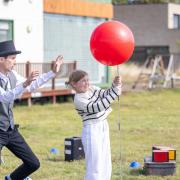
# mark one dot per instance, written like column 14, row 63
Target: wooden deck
column 53, row 93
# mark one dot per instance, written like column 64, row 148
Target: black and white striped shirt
column 94, row 105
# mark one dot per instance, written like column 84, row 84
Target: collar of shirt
column 5, row 79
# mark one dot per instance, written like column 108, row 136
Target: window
column 6, row 30
column 142, row 53
column 176, row 20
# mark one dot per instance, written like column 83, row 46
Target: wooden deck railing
column 55, row 87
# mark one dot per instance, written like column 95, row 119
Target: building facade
column 156, row 27
column 68, row 25
column 22, row 21
column 44, row 29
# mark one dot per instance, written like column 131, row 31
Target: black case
column 73, row 149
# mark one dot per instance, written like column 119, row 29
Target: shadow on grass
column 57, row 159
column 136, row 172
column 54, row 158
column 132, row 172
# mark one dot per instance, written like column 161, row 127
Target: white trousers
column 96, row 143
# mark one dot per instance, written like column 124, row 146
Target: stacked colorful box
column 162, row 162
column 163, row 153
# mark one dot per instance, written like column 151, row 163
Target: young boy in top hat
column 12, row 85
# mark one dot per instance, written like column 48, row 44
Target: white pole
column 119, row 128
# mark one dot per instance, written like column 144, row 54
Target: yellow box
column 172, row 154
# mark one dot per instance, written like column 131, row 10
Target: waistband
column 95, row 121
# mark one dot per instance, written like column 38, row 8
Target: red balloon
column 112, row 43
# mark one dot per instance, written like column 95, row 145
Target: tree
column 119, row 1
column 143, row 1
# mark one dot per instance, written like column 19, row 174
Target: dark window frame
column 176, row 21
column 9, row 31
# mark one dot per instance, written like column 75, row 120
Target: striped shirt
column 94, row 105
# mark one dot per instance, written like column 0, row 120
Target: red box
column 171, row 151
column 160, row 156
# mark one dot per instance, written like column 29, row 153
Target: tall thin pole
column 119, row 133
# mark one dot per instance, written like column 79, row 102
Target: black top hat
column 7, row 48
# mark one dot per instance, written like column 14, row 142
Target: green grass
column 146, row 119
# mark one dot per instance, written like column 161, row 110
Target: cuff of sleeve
column 51, row 74
column 20, row 89
column 117, row 89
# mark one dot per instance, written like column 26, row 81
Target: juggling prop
column 54, row 151
column 54, row 154
column 162, row 162
column 73, row 149
column 160, row 156
column 112, row 43
column 134, row 164
column 171, row 152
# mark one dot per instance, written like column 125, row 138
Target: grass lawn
column 146, row 118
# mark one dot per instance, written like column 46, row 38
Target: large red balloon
column 112, row 43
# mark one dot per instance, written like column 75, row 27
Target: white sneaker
column 28, row 178
column 7, row 177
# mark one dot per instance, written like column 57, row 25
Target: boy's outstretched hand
column 31, row 78
column 57, row 64
column 117, row 81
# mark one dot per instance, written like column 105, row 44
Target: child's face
column 8, row 63
column 82, row 85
